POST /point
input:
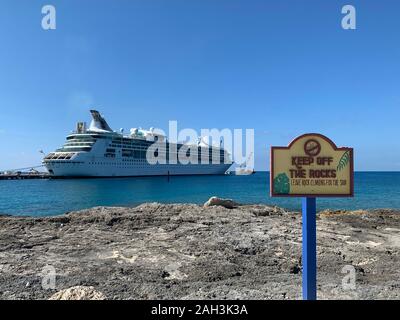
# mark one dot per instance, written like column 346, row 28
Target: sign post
column 309, row 259
column 311, row 166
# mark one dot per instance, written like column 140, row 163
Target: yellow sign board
column 311, row 166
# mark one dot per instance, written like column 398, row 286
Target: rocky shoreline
column 185, row 251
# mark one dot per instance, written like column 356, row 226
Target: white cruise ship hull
column 112, row 169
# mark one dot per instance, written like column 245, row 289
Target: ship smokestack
column 98, row 122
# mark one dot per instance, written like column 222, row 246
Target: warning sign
column 311, row 165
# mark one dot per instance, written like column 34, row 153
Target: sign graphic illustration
column 312, row 147
column 311, row 166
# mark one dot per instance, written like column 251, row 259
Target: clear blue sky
column 281, row 67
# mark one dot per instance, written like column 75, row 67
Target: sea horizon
column 373, row 190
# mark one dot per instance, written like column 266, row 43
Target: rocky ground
column 158, row 251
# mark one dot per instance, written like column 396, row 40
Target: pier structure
column 24, row 173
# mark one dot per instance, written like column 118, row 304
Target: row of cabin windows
column 78, row 144
column 79, row 139
column 199, row 150
column 92, row 137
column 139, row 154
column 124, row 163
column 69, row 149
column 144, row 144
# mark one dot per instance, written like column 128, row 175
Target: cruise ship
column 98, row 151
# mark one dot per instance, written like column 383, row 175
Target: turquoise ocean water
column 52, row 197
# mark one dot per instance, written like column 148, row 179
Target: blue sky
column 281, row 67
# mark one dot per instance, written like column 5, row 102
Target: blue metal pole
column 309, row 259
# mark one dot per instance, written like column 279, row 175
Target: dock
column 24, row 176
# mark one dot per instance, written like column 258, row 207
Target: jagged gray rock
column 78, row 293
column 187, row 251
column 226, row 203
